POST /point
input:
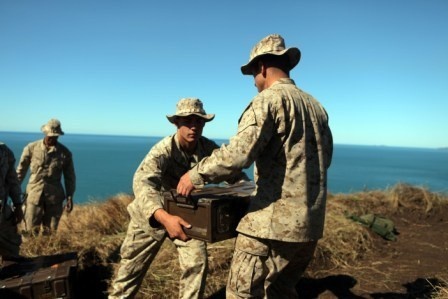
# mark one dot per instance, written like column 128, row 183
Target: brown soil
column 409, row 267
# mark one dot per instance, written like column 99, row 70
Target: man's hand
column 185, row 186
column 173, row 224
column 69, row 204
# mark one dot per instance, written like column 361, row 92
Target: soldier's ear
column 262, row 68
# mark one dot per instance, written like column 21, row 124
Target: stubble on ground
column 409, row 267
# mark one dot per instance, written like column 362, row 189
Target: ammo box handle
column 182, row 201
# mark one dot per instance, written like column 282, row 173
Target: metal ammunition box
column 213, row 212
column 38, row 278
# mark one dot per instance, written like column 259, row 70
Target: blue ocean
column 105, row 165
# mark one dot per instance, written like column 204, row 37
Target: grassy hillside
column 96, row 230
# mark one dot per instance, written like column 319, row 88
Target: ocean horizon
column 105, row 164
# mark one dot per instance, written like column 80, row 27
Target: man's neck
column 273, row 75
column 188, row 147
column 47, row 145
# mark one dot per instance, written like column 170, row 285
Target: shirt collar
column 284, row 81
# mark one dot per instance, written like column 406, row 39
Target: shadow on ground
column 421, row 288
column 340, row 286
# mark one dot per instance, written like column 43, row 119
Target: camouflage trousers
column 10, row 239
column 139, row 250
column 47, row 215
column 263, row 268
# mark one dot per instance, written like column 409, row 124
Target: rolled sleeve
column 147, row 184
column 254, row 133
column 196, row 178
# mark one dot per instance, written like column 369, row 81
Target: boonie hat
column 190, row 106
column 52, row 128
column 273, row 44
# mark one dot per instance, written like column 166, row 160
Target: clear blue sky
column 118, row 67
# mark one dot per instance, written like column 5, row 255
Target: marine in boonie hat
column 52, row 128
column 273, row 44
column 190, row 106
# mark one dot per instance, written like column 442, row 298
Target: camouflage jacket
column 160, row 171
column 9, row 184
column 47, row 165
column 285, row 132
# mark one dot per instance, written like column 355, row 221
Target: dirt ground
column 406, row 268
column 409, row 267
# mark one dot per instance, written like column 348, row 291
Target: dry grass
column 441, row 291
column 96, row 231
column 345, row 242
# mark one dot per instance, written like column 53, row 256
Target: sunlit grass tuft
column 97, row 229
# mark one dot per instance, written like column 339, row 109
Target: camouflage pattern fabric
column 52, row 128
column 160, row 171
column 273, row 44
column 139, row 250
column 10, row 240
column 48, row 215
column 285, row 132
column 44, row 186
column 264, row 268
column 190, row 106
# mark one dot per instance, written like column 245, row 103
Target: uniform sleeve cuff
column 196, row 178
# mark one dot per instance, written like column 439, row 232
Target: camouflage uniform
column 285, row 132
column 45, row 193
column 10, row 240
column 158, row 172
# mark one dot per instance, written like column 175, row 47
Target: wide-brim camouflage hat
column 273, row 44
column 190, row 106
column 52, row 128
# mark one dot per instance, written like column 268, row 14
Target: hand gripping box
column 213, row 212
column 41, row 277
